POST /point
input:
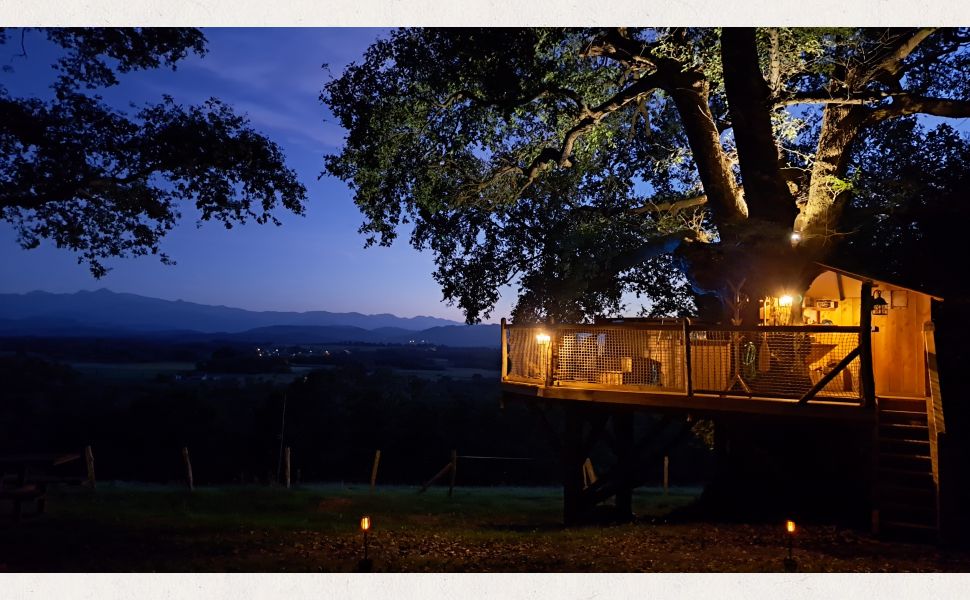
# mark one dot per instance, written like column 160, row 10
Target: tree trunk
column 827, row 195
column 749, row 100
column 690, row 93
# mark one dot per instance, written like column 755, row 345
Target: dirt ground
column 130, row 528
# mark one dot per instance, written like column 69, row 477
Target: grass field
column 142, row 528
column 131, row 371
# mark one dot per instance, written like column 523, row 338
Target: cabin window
column 899, row 299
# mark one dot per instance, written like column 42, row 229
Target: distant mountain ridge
column 106, row 309
column 108, row 314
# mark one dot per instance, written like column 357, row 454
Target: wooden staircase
column 907, row 477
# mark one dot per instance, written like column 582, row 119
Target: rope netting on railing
column 774, row 362
column 783, row 364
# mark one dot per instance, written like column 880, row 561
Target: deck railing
column 794, row 363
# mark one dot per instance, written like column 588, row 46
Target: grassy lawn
column 315, row 528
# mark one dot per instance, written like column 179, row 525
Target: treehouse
column 851, row 351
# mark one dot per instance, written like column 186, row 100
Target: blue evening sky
column 312, row 263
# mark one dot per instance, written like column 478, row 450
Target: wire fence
column 781, row 362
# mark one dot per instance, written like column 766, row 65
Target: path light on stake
column 790, row 565
column 366, row 564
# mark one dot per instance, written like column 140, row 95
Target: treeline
column 333, row 419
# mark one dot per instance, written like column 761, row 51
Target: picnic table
column 30, row 476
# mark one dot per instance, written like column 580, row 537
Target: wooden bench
column 25, row 486
column 26, row 492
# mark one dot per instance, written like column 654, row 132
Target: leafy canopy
column 584, row 164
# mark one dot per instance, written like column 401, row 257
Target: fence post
column 89, row 459
column 666, row 474
column 454, row 468
column 286, row 472
column 373, row 470
column 188, row 468
column 687, row 366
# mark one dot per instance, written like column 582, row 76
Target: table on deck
column 25, row 487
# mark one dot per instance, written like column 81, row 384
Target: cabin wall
column 899, row 365
column 898, row 355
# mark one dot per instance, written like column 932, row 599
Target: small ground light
column 366, row 564
column 790, row 565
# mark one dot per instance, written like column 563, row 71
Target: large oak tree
column 104, row 182
column 588, row 163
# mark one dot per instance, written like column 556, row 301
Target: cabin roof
column 862, row 277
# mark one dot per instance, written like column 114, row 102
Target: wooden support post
column 687, row 366
column 505, row 349
column 454, row 470
column 934, row 416
column 666, row 474
column 286, row 467
column 573, row 458
column 188, row 468
column 623, row 431
column 89, row 460
column 866, row 377
column 373, row 470
column 589, row 473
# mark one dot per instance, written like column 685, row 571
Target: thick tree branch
column 907, row 104
column 642, row 87
column 892, row 62
column 672, row 207
column 616, row 45
column 765, row 190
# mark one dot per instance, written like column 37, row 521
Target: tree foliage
column 105, row 183
column 582, row 163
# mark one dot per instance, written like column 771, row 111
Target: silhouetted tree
column 103, row 182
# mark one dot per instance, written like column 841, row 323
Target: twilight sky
column 316, row 262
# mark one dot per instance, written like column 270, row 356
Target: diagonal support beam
column 824, row 381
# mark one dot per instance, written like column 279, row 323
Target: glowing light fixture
column 879, row 304
column 796, row 237
column 790, row 565
column 542, row 338
column 365, row 565
column 785, row 300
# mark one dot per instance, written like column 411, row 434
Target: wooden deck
column 813, row 372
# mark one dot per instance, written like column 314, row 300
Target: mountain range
column 104, row 313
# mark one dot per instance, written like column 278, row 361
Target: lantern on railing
column 879, row 305
column 544, row 342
